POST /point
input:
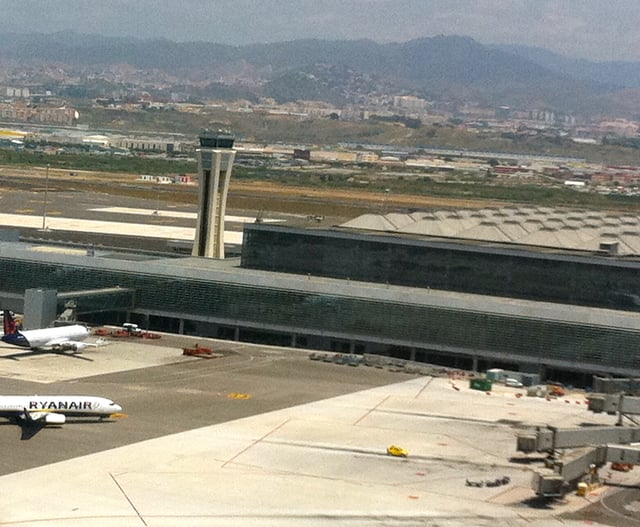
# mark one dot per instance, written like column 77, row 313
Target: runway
column 92, row 218
column 177, row 214
column 119, row 228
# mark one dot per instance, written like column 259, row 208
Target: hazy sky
column 595, row 29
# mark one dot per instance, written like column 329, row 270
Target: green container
column 480, row 384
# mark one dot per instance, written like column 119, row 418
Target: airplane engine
column 73, row 347
column 54, row 419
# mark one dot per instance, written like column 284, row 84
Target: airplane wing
column 27, row 432
column 66, row 345
column 58, row 342
column 31, row 353
column 33, row 422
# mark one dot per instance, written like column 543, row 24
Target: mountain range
column 441, row 68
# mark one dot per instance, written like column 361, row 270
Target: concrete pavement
column 322, row 463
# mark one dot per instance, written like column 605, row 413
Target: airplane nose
column 117, row 408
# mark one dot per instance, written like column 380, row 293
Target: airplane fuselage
column 47, row 337
column 24, row 406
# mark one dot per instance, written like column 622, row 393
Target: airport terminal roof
column 535, row 226
column 229, row 271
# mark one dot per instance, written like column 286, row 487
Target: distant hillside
column 612, row 74
column 454, row 59
column 446, row 68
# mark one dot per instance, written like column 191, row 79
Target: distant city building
column 147, row 144
column 304, row 154
column 20, row 93
column 503, row 112
column 622, row 127
column 367, row 157
column 19, row 111
column 178, row 179
column 410, row 103
column 97, row 140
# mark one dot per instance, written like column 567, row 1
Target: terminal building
column 562, row 314
column 546, row 292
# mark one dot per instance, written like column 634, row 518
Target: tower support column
column 215, row 162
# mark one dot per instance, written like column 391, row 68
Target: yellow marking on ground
column 235, row 395
column 12, row 133
column 24, row 211
column 119, row 416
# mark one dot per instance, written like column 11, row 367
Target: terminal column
column 215, row 161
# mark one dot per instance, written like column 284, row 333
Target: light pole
column 46, row 197
column 384, row 200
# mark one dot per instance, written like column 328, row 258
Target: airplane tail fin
column 10, row 326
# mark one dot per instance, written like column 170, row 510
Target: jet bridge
column 552, row 439
column 99, row 300
column 624, row 405
column 564, row 474
column 608, row 385
column 42, row 306
column 599, row 445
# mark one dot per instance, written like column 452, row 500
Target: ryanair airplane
column 54, row 409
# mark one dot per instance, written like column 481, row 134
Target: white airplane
column 63, row 338
column 54, row 409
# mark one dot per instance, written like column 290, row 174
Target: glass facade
column 548, row 276
column 172, row 294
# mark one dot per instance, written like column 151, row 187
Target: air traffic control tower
column 215, row 161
